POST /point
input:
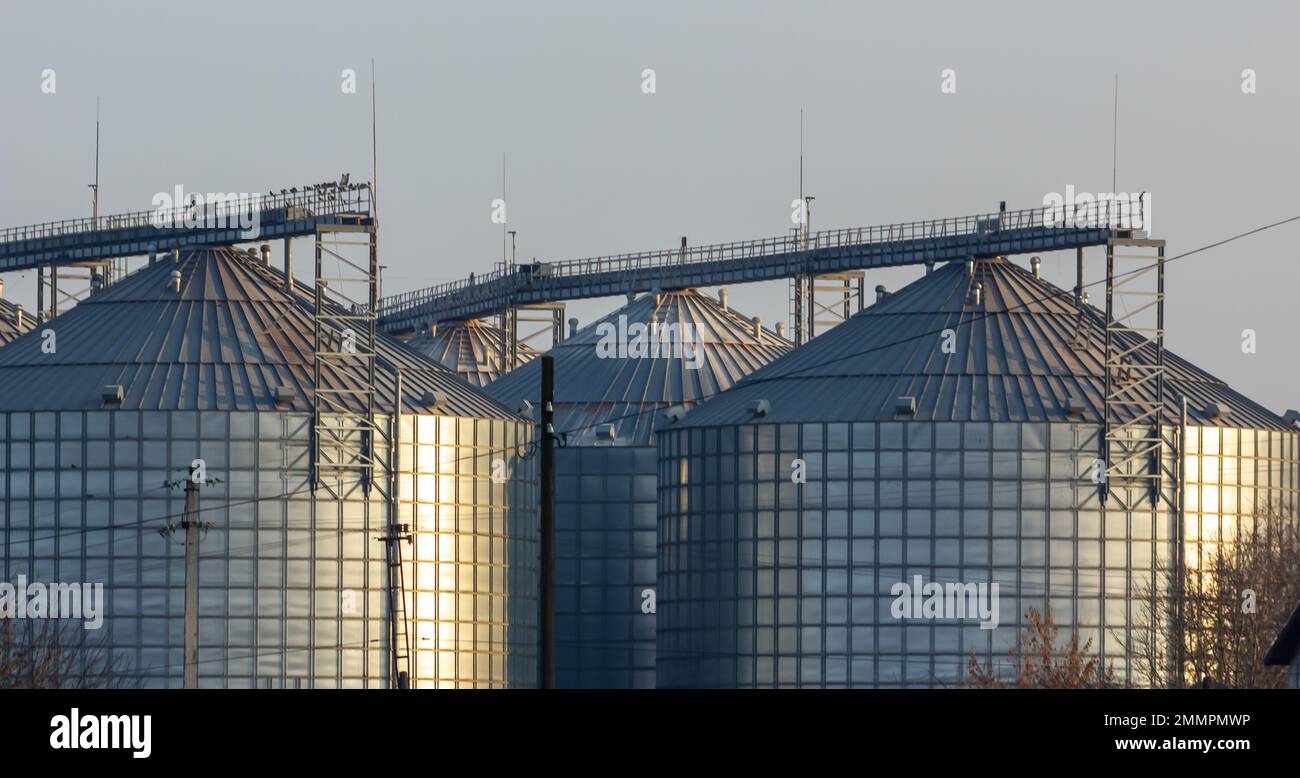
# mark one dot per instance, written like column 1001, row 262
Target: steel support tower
column 1133, row 443
column 351, row 448
column 344, row 424
column 821, row 302
column 544, row 318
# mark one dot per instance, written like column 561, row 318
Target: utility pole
column 399, row 642
column 191, row 526
column 1180, row 551
column 197, row 476
column 548, row 522
column 399, row 653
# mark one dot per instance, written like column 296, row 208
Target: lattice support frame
column 1133, row 442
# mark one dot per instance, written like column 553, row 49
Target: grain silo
column 615, row 382
column 210, row 356
column 951, row 431
column 470, row 348
column 14, row 321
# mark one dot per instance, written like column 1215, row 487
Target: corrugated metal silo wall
column 292, row 581
column 764, row 582
column 605, row 567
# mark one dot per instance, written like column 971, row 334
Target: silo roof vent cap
column 1215, row 411
column 113, row 394
column 525, row 408
column 606, row 433
column 1291, row 418
column 433, row 398
column 759, row 408
column 675, row 414
column 905, row 405
column 1075, row 406
column 284, row 395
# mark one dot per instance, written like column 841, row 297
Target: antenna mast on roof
column 374, row 146
column 797, row 282
column 503, row 221
column 1114, row 139
column 94, row 188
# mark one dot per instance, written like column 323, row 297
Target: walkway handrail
column 497, row 281
column 313, row 200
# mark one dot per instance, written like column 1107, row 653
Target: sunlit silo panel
column 210, row 358
column 967, row 465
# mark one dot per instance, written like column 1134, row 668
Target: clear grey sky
column 241, row 96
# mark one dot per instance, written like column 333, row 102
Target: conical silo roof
column 594, row 388
column 469, row 348
column 1012, row 358
column 226, row 341
column 10, row 326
